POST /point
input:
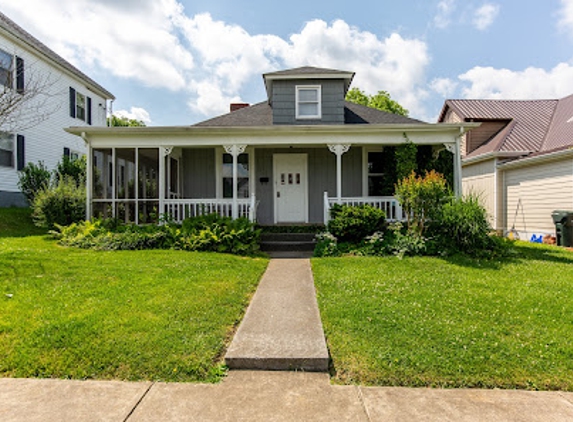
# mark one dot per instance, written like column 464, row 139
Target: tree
column 120, row 121
column 28, row 95
column 381, row 101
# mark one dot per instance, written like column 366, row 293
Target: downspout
column 89, row 176
column 458, row 165
column 108, row 121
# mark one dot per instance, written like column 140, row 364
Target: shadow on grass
column 17, row 222
column 519, row 253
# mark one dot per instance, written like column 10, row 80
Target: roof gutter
column 538, row 159
column 453, row 128
column 491, row 155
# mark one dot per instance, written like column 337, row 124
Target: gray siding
column 321, row 178
column 199, row 175
column 284, row 97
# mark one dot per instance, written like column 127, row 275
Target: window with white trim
column 80, row 106
column 6, row 69
column 308, row 102
column 242, row 175
column 6, row 149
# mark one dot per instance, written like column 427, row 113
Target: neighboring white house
column 73, row 100
column 284, row 160
column 520, row 160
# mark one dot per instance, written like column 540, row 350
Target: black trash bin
column 563, row 227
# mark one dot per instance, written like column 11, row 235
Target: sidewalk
column 268, row 396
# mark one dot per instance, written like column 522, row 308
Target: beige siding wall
column 534, row 192
column 452, row 117
column 480, row 179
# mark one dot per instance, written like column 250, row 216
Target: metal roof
column 528, row 122
column 18, row 32
column 561, row 131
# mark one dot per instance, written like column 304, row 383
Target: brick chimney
column 238, row 106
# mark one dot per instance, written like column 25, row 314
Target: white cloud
column 531, row 83
column 136, row 113
column 154, row 43
column 138, row 43
column 566, row 21
column 443, row 18
column 485, row 16
column 444, row 86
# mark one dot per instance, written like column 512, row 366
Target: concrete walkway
column 281, row 329
column 268, row 396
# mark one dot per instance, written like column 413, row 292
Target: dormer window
column 308, row 104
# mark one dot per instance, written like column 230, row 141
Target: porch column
column 338, row 149
column 235, row 151
column 89, row 182
column 163, row 153
column 454, row 148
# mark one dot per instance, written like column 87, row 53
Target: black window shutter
column 19, row 75
column 20, row 152
column 72, row 102
column 66, row 152
column 89, row 111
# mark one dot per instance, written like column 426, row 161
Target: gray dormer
column 307, row 95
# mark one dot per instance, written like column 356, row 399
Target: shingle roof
column 261, row 114
column 306, row 70
column 15, row 30
column 528, row 122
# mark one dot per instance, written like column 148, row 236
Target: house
column 53, row 95
column 282, row 161
column 520, row 160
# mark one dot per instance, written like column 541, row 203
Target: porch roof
column 299, row 135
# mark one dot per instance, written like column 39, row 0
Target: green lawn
column 455, row 322
column 132, row 315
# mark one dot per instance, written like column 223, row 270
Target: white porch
column 140, row 175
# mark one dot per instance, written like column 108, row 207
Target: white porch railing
column 180, row 209
column 388, row 204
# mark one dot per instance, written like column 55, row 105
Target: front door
column 290, row 188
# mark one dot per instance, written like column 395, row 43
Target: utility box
column 563, row 227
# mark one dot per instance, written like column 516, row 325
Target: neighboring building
column 520, row 160
column 74, row 100
column 284, row 160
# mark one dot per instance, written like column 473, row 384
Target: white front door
column 290, row 188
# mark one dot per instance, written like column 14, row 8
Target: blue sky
column 172, row 62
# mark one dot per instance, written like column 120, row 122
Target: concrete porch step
column 287, row 242
column 282, row 328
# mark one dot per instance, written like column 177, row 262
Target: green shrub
column 71, row 167
column 63, row 204
column 421, row 199
column 463, row 226
column 32, row 179
column 219, row 234
column 353, row 223
column 206, row 233
column 326, row 245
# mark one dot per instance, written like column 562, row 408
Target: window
column 6, row 149
column 6, row 69
column 379, row 171
column 242, row 175
column 308, row 102
column 80, row 106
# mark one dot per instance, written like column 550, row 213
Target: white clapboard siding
column 534, row 192
column 479, row 179
column 47, row 140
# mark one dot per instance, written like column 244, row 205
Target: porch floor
column 282, row 328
